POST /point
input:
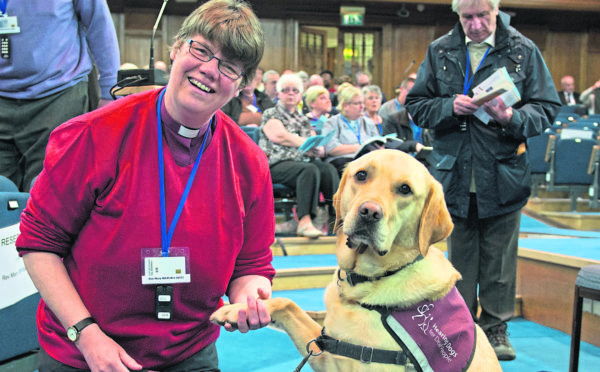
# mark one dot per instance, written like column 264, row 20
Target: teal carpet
column 538, row 348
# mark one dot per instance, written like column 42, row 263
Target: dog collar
column 353, row 278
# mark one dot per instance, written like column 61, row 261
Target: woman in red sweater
column 152, row 208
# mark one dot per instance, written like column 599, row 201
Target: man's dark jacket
column 502, row 175
column 233, row 108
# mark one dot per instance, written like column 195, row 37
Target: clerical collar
column 490, row 41
column 187, row 132
column 176, row 127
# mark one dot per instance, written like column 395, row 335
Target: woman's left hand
column 317, row 152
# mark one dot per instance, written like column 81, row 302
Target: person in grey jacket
column 483, row 167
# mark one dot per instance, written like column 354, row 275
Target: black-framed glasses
column 204, row 54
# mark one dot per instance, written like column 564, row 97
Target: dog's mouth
column 362, row 243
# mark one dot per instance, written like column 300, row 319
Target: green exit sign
column 352, row 19
column 352, row 15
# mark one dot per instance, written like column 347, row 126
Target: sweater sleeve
column 62, row 197
column 101, row 38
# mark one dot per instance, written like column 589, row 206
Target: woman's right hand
column 102, row 353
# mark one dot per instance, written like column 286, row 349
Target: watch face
column 72, row 334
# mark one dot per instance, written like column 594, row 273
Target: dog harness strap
column 364, row 354
column 353, row 278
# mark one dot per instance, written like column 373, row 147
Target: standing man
column 568, row 96
column 483, row 167
column 44, row 75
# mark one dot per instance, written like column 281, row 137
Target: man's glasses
column 290, row 89
column 202, row 53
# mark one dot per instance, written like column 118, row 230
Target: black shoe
column 498, row 337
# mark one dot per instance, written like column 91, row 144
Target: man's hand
column 102, row 353
column 498, row 111
column 463, row 105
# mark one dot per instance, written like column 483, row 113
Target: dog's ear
column 436, row 223
column 337, row 199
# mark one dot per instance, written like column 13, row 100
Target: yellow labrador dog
column 392, row 304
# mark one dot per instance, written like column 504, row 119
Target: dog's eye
column 361, row 175
column 404, row 189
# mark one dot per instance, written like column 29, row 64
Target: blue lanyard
column 397, row 104
column 468, row 82
column 356, row 133
column 166, row 237
column 254, row 101
column 3, row 7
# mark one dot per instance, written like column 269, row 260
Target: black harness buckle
column 362, row 354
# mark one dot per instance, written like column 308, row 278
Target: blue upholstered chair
column 18, row 328
column 568, row 168
column 587, row 285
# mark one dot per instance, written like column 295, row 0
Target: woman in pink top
column 152, row 208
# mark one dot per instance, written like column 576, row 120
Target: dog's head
column 388, row 204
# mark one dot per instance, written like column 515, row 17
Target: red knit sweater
column 97, row 205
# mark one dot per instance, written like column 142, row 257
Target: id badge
column 9, row 25
column 175, row 268
column 252, row 109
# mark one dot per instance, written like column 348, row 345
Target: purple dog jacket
column 440, row 334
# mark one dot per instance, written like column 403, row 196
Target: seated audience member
column 315, row 79
column 395, row 105
column 351, row 127
column 270, row 83
column 372, row 95
column 285, row 129
column 363, row 79
column 591, row 98
column 328, row 80
column 319, row 104
column 397, row 120
column 568, row 96
column 247, row 108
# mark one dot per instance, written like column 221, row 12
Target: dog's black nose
column 370, row 212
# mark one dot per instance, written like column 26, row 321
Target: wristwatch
column 74, row 331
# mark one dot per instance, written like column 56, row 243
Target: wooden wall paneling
column 564, row 55
column 291, row 49
column 411, row 43
column 387, row 58
column 275, row 53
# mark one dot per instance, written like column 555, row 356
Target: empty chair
column 536, row 151
column 587, row 285
column 18, row 327
column 567, row 170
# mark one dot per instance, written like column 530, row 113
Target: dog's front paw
column 227, row 314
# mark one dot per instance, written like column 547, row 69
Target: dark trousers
column 308, row 179
column 206, row 360
column 25, row 127
column 484, row 251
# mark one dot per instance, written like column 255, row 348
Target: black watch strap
column 74, row 331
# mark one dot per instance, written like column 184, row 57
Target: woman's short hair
column 233, row 26
column 314, row 92
column 346, row 94
column 287, row 79
column 372, row 89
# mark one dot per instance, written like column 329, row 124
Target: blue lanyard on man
column 356, row 132
column 2, row 7
column 167, row 236
column 468, row 82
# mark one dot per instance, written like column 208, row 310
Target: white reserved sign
column 15, row 283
